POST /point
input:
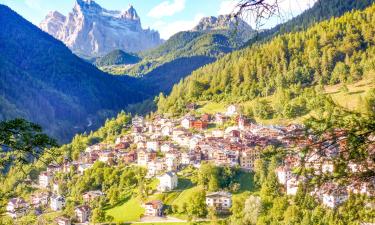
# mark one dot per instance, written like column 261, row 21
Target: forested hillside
column 41, row 80
column 321, row 10
column 339, row 50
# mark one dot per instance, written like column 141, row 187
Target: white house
column 219, row 200
column 283, row 174
column 292, row 186
column 57, row 202
column 333, row 198
column 187, row 122
column 83, row 167
column 232, row 110
column 166, row 130
column 155, row 167
column 153, row 145
column 45, row 179
column 168, row 181
column 16, row 207
column 166, row 147
column 39, row 199
column 82, row 213
column 153, row 208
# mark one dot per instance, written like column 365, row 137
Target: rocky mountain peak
column 130, row 14
column 92, row 31
column 222, row 22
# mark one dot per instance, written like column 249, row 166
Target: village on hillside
column 165, row 146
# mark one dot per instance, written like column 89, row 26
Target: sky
column 166, row 16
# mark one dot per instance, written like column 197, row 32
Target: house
column 83, row 167
column 334, row 196
column 137, row 121
column 199, row 124
column 53, row 168
column 242, row 122
column 39, row 199
column 248, row 157
column 16, row 207
column 187, row 122
column 218, row 133
column 45, row 179
column 292, row 186
column 62, row 220
column 221, row 201
column 129, row 157
column 153, row 208
column 168, row 181
column 166, row 147
column 82, row 213
column 171, row 163
column 155, row 167
column 220, row 118
column 166, row 130
column 153, row 145
column 57, row 202
column 232, row 110
column 283, row 174
column 206, row 117
column 92, row 195
column 144, row 156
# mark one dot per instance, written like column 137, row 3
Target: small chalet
column 168, row 181
column 248, row 157
column 153, row 208
column 144, row 156
column 283, row 174
column 92, row 195
column 17, row 207
column 57, row 202
column 45, row 179
column 199, row 124
column 221, row 201
column 333, row 195
column 292, row 186
column 232, row 110
column 82, row 213
column 187, row 122
column 39, row 199
column 220, row 118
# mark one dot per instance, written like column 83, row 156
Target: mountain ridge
column 91, row 31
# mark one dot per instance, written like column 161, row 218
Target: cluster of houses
column 164, row 146
column 321, row 159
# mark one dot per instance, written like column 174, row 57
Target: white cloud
column 167, row 8
column 166, row 30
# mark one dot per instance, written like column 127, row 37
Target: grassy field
column 130, row 210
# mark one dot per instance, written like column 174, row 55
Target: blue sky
column 166, row 16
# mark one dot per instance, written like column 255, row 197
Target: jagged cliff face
column 225, row 24
column 91, row 31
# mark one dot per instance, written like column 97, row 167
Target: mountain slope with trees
column 44, row 82
column 335, row 51
column 320, row 11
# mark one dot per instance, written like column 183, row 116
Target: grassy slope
column 349, row 100
column 131, row 210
